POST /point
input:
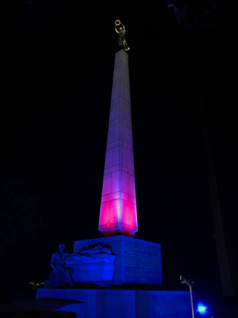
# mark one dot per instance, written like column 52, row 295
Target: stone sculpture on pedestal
column 122, row 32
column 62, row 273
column 93, row 263
column 118, row 257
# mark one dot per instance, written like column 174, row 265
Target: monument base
column 98, row 268
column 44, row 308
column 137, row 261
column 107, row 303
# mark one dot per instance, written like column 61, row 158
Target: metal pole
column 192, row 302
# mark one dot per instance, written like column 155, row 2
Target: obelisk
column 118, row 212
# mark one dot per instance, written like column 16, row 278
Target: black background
column 57, row 73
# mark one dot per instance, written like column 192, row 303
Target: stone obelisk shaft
column 118, row 212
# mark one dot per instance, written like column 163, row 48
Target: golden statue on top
column 121, row 38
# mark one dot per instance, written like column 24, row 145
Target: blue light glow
column 202, row 309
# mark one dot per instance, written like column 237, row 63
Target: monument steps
column 121, row 303
column 45, row 307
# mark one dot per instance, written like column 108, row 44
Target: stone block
column 137, row 261
column 44, row 307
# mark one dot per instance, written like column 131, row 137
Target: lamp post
column 189, row 282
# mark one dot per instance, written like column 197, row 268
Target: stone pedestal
column 107, row 303
column 45, row 307
column 137, row 261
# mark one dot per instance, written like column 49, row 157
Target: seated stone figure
column 61, row 273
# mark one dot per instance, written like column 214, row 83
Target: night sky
column 56, row 87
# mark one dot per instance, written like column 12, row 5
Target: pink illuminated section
column 118, row 212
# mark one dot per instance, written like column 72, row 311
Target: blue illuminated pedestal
column 137, row 261
column 108, row 303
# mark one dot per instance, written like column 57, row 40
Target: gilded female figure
column 121, row 32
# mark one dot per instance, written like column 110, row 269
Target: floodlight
column 184, row 280
column 202, row 309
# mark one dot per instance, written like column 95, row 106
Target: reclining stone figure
column 98, row 248
column 62, row 272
